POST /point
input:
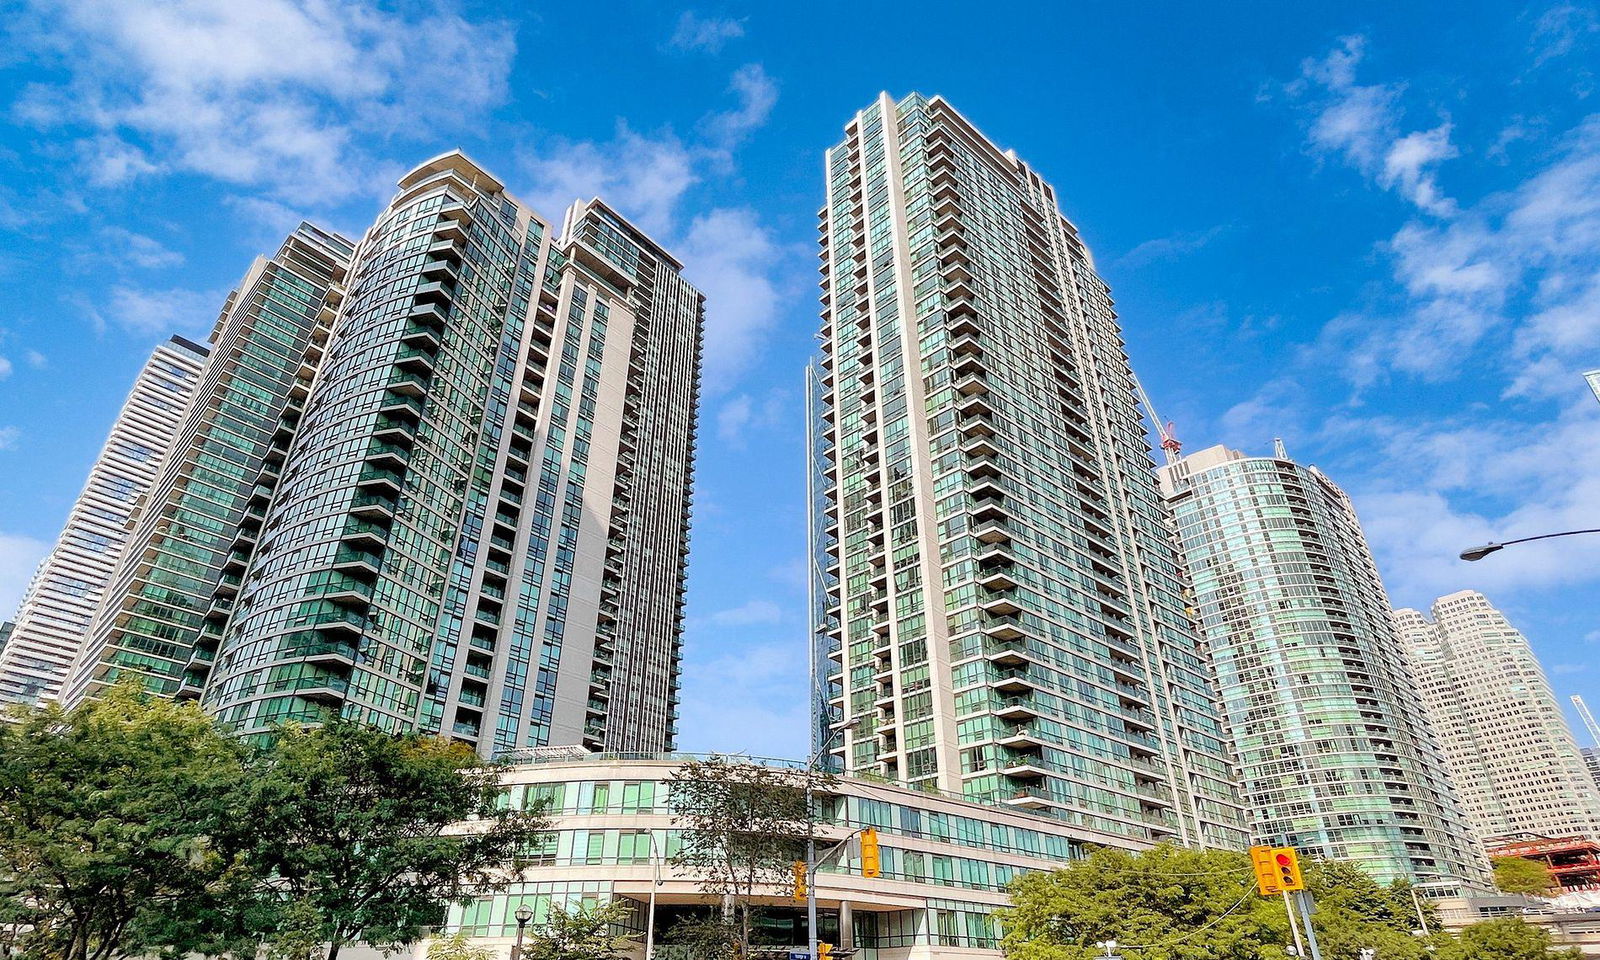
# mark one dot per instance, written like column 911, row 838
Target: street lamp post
column 524, row 914
column 1479, row 552
column 811, row 834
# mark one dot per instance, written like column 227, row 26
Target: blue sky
column 1370, row 229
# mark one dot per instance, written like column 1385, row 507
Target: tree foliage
column 458, row 946
column 1507, row 939
column 742, row 826
column 109, row 822
column 583, row 933
column 1172, row 903
column 1517, row 875
column 359, row 828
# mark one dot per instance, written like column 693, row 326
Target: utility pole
column 1305, row 912
column 1294, row 928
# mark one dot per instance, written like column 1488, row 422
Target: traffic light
column 1286, row 867
column 1266, row 870
column 800, row 879
column 824, row 951
column 871, row 862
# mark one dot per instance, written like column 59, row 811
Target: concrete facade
column 1513, row 758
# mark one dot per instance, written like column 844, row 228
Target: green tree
column 1517, row 875
column 742, row 826
column 458, row 946
column 583, row 933
column 109, row 819
column 1173, row 903
column 370, row 835
column 1507, row 939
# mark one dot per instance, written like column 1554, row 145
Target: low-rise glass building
column 946, row 862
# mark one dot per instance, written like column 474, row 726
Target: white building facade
column 1512, row 756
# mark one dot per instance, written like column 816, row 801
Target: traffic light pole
column 1294, row 927
column 1304, row 899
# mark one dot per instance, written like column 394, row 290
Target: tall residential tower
column 1000, row 610
column 60, row 602
column 1515, row 763
column 172, row 588
column 481, row 526
column 1335, row 751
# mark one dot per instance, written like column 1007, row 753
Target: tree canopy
column 1173, row 903
column 132, row 826
column 1517, row 875
column 109, row 819
column 742, row 826
column 364, row 829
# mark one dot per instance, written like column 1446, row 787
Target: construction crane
column 1169, row 441
column 1588, row 719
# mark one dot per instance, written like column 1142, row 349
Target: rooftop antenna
column 1169, row 441
column 1588, row 719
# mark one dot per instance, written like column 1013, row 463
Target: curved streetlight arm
column 1478, row 553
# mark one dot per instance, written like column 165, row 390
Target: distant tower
column 1591, row 753
column 1335, row 751
column 1514, row 761
column 60, row 603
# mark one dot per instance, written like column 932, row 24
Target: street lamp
column 524, row 914
column 1110, row 948
column 1479, row 552
column 811, row 832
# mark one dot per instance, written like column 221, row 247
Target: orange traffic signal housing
column 1286, row 867
column 1266, row 870
column 871, row 860
column 800, row 879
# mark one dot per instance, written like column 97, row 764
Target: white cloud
column 35, row 359
column 125, row 246
column 749, row 613
column 1361, row 123
column 266, row 94
column 9, row 437
column 728, row 253
column 704, row 34
column 749, row 699
column 1167, row 248
column 732, row 258
column 757, row 95
column 5, row 367
column 645, row 177
column 19, row 558
column 744, row 415
column 1561, row 29
column 155, row 311
column 1434, row 488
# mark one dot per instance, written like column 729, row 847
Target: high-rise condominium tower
column 172, row 588
column 481, row 526
column 60, row 602
column 1515, row 763
column 1000, row 609
column 1335, row 752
